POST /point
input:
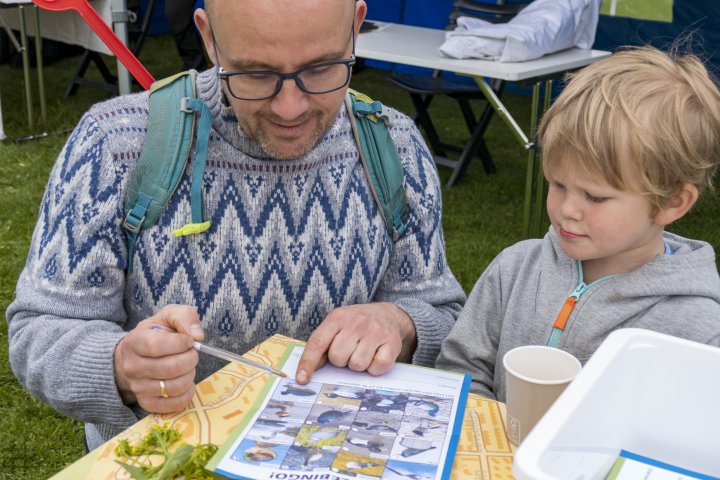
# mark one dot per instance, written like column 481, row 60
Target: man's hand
column 147, row 356
column 362, row 337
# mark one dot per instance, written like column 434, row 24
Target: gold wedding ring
column 163, row 392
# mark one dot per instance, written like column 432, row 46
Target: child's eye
column 594, row 199
column 557, row 185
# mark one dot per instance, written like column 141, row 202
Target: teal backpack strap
column 198, row 224
column 380, row 159
column 164, row 155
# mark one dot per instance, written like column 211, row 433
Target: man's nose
column 290, row 102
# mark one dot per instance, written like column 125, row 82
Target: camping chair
column 109, row 82
column 422, row 90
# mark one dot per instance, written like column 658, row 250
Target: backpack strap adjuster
column 132, row 223
column 184, row 105
column 388, row 115
column 136, row 216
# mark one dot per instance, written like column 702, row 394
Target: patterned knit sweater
column 289, row 241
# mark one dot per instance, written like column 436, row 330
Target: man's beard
column 257, row 133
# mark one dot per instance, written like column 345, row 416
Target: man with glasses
column 296, row 246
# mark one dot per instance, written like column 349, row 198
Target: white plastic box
column 643, row 392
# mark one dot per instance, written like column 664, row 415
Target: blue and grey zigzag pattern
column 91, row 158
column 232, row 198
column 230, row 266
column 80, row 245
column 428, row 200
column 76, row 197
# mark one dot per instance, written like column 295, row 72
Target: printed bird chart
column 223, row 400
column 350, row 425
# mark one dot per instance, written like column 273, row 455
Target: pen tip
column 282, row 374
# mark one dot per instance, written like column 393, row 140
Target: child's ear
column 678, row 205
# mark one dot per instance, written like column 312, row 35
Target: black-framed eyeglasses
column 263, row 84
column 315, row 79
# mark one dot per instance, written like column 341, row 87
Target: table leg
column 531, row 171
column 2, row 130
column 534, row 179
column 18, row 48
column 502, row 111
column 26, row 66
column 526, row 142
column 40, row 65
column 540, row 178
column 120, row 19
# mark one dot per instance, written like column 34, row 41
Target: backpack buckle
column 387, row 115
column 132, row 223
column 184, row 105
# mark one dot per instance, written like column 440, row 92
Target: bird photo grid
column 331, row 431
column 347, row 430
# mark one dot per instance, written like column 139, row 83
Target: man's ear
column 360, row 11
column 679, row 205
column 203, row 25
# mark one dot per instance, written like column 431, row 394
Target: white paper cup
column 535, row 376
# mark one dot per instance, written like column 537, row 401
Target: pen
column 232, row 357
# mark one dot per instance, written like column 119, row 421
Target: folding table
column 69, row 27
column 22, row 47
column 418, row 46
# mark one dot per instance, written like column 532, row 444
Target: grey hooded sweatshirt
column 518, row 297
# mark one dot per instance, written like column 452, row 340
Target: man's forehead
column 274, row 8
column 270, row 21
column 269, row 37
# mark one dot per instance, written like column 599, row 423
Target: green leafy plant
column 186, row 461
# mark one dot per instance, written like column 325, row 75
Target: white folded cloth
column 544, row 26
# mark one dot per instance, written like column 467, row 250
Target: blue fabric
column 423, row 13
column 158, row 24
column 698, row 18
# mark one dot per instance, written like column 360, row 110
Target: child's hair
column 642, row 119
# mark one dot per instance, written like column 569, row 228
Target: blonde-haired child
column 627, row 148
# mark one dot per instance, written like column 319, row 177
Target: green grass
column 482, row 215
column 657, row 10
